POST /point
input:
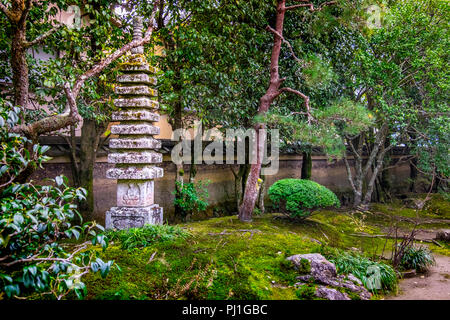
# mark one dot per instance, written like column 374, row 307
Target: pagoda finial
column 138, row 26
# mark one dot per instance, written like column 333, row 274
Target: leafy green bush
column 14, row 155
column 147, row 235
column 374, row 275
column 191, row 197
column 34, row 221
column 299, row 198
column 419, row 258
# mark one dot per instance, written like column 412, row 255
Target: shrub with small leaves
column 41, row 250
column 299, row 198
column 191, row 197
column 15, row 156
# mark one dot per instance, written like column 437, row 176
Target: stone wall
column 221, row 187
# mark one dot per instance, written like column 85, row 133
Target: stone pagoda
column 133, row 152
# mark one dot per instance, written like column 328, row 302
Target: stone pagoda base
column 127, row 217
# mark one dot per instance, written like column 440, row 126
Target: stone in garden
column 135, row 193
column 143, row 157
column 136, row 90
column 140, row 143
column 135, row 173
column 142, row 129
column 443, row 235
column 330, row 294
column 127, row 217
column 134, row 148
column 135, row 115
column 133, row 67
column 141, row 102
column 136, row 78
column 324, row 272
column 320, row 267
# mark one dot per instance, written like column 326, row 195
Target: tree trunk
column 179, row 175
column 262, row 192
column 250, row 193
column 239, row 183
column 306, row 165
column 377, row 156
column 19, row 67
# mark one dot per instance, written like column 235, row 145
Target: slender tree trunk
column 377, row 156
column 262, row 192
column 250, row 193
column 306, row 165
column 413, row 174
column 179, row 175
column 239, row 183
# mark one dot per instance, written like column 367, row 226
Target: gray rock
column 352, row 278
column 320, row 267
column 443, row 235
column 324, row 272
column 305, row 277
column 330, row 294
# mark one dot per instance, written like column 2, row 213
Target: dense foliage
column 192, row 197
column 14, row 154
column 299, row 198
column 35, row 221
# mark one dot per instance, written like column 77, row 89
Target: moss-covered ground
column 224, row 258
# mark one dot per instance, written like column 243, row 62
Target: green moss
column 439, row 206
column 225, row 258
column 307, row 292
column 444, row 250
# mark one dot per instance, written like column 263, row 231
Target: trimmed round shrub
column 299, row 198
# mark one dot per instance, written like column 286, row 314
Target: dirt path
column 433, row 286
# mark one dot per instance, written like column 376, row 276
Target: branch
column 6, row 11
column 349, row 173
column 26, row 10
column 311, row 6
column 41, row 38
column 303, row 96
column 71, row 115
column 269, row 28
column 99, row 67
